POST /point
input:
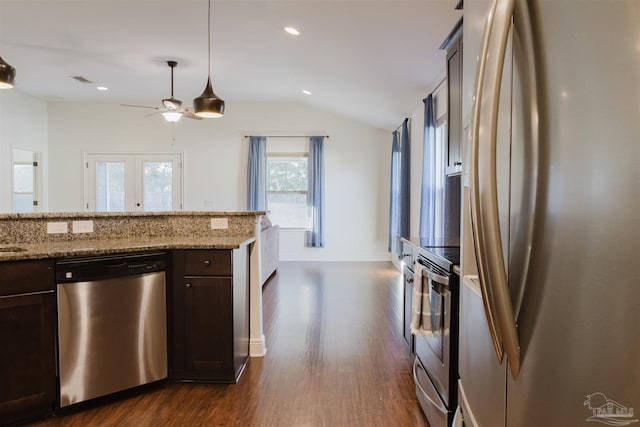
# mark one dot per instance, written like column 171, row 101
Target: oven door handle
column 443, row 280
column 437, row 403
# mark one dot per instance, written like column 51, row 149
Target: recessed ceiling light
column 102, row 88
column 306, row 92
column 292, row 31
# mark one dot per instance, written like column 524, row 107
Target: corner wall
column 23, row 125
column 357, row 159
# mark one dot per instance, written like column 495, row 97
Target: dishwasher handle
column 94, row 268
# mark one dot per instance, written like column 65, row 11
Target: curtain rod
column 286, row 136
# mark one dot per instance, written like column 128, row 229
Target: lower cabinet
column 27, row 340
column 407, row 276
column 209, row 315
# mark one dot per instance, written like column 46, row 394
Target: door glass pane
column 158, row 186
column 110, row 185
column 23, row 177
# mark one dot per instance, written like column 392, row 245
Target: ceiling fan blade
column 155, row 112
column 189, row 114
column 139, row 106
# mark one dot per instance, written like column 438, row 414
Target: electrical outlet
column 219, row 223
column 82, row 226
column 57, row 228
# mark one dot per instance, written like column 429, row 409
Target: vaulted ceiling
column 366, row 59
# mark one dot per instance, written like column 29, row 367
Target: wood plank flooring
column 335, row 357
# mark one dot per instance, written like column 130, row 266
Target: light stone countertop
column 88, row 247
column 127, row 214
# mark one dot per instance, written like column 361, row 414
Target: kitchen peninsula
column 217, row 252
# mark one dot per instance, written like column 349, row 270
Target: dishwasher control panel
column 101, row 267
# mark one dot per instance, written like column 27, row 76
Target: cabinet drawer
column 22, row 277
column 208, row 262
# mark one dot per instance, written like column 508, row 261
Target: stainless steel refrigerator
column 550, row 294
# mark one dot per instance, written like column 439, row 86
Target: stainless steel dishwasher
column 112, row 324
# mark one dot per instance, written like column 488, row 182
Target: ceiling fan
column 171, row 107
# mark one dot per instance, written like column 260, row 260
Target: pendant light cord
column 209, row 38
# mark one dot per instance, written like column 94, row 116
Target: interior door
column 133, row 182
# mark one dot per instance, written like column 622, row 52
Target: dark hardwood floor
column 335, row 357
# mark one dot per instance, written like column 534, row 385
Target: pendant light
column 208, row 104
column 7, row 75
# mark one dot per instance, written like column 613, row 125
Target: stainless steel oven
column 435, row 367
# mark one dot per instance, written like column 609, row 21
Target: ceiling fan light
column 7, row 75
column 208, row 105
column 172, row 103
column 172, row 116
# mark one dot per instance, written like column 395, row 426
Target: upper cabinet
column 453, row 46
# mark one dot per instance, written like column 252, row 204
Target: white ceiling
column 367, row 59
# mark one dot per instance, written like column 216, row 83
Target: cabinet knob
column 409, row 280
column 207, row 262
column 457, row 163
column 406, row 255
column 187, row 285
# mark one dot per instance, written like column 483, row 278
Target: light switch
column 82, row 226
column 57, row 228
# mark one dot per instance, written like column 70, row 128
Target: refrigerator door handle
column 488, row 189
column 474, row 188
column 458, row 421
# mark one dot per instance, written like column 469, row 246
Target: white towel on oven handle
column 420, row 303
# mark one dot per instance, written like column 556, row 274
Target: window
column 287, row 189
column 23, row 187
column 439, row 165
column 133, row 182
column 25, row 181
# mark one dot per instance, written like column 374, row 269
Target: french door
column 133, row 182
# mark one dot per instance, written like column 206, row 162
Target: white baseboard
column 257, row 347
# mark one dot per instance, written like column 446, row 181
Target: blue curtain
column 405, row 179
column 257, row 174
column 400, row 187
column 394, row 197
column 315, row 194
column 427, row 200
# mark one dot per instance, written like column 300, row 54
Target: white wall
column 23, row 125
column 357, row 159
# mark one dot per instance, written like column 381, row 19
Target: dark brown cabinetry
column 453, row 46
column 209, row 314
column 27, row 340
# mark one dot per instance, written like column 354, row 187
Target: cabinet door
column 209, row 328
column 454, row 83
column 408, row 293
column 27, row 356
